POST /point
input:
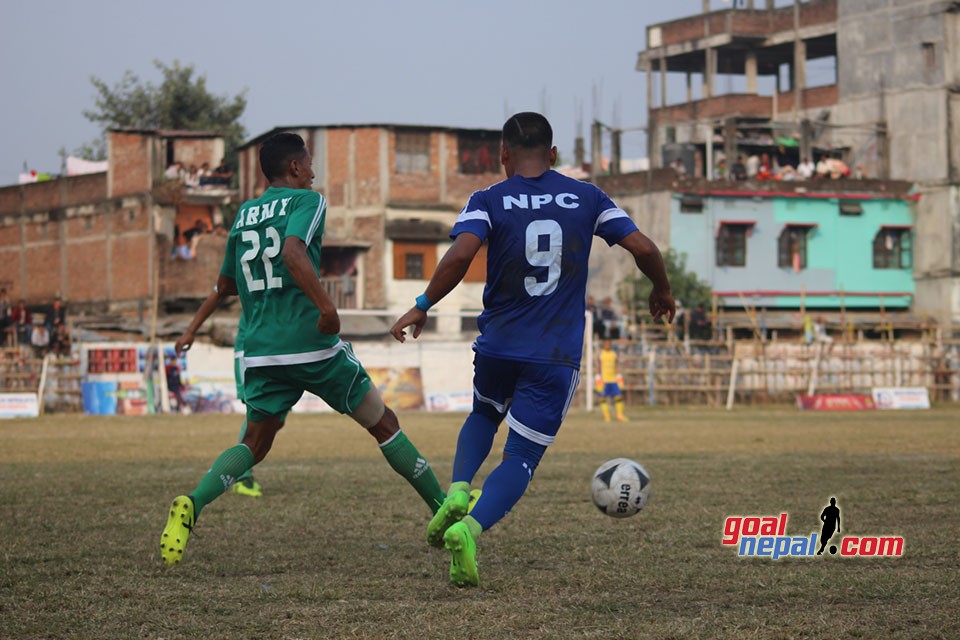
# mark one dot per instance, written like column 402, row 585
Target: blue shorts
column 610, row 390
column 534, row 397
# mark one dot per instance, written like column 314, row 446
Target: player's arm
column 451, row 270
column 649, row 260
column 226, row 286
column 297, row 262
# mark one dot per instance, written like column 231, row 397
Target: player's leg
column 344, row 384
column 400, row 453
column 543, row 395
column 274, row 397
column 245, row 485
column 618, row 403
column 493, row 381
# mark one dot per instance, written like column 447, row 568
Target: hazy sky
column 416, row 62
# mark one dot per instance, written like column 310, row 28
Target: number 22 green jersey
column 280, row 320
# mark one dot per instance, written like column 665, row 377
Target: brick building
column 393, row 194
column 103, row 241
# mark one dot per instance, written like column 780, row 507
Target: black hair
column 277, row 151
column 527, row 130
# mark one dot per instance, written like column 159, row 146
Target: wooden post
column 732, row 388
column 43, row 381
column 651, row 368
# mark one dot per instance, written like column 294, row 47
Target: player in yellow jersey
column 610, row 379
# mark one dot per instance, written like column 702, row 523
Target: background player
column 290, row 343
column 610, row 390
column 245, row 485
column 539, row 226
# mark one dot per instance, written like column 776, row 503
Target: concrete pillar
column 709, row 66
column 689, row 87
column 663, row 81
column 615, row 152
column 596, row 149
column 799, row 73
column 751, row 71
column 771, row 4
column 706, row 6
column 649, row 70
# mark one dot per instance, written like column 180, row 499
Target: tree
column 685, row 285
column 180, row 102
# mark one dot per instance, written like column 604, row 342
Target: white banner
column 19, row 405
column 901, row 397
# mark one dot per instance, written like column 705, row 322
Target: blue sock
column 503, row 489
column 473, row 446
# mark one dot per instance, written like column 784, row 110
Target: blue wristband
column 423, row 302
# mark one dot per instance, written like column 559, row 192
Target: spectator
column 610, row 328
column 192, row 237
column 753, row 166
column 175, row 383
column 678, row 167
column 60, row 340
column 739, row 169
column 193, row 177
column 40, row 339
column 823, row 168
column 4, row 315
column 720, row 170
column 221, row 174
column 22, row 321
column 700, row 328
column 56, row 315
column 174, row 171
column 806, row 169
column 860, row 173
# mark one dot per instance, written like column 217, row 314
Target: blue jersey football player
column 538, row 226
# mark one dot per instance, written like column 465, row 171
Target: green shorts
column 340, row 381
column 238, row 374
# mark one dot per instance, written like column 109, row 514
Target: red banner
column 836, row 402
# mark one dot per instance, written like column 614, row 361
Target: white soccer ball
column 621, row 487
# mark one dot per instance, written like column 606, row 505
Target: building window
column 792, row 247
column 929, row 50
column 851, row 209
column 732, row 245
column 691, row 204
column 414, row 260
column 893, row 248
column 412, row 151
column 479, row 152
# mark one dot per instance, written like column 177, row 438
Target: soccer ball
column 620, row 487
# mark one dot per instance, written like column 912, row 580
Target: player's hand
column 662, row 305
column 415, row 317
column 184, row 342
column 329, row 323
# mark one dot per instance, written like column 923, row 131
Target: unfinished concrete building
column 887, row 103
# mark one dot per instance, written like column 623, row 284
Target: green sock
column 407, row 461
column 473, row 525
column 246, row 475
column 225, row 470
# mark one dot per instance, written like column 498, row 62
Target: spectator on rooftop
column 679, row 168
column 739, row 169
column 806, row 169
column 193, row 177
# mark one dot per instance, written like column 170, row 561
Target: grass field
column 336, row 547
